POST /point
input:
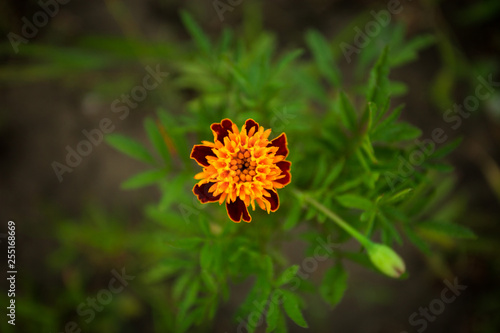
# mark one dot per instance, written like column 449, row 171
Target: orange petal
column 261, row 203
column 222, row 198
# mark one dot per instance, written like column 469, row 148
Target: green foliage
column 291, row 304
column 130, row 147
column 334, row 284
column 347, row 151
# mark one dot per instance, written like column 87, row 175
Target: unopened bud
column 386, row 260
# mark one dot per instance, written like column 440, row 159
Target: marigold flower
column 242, row 168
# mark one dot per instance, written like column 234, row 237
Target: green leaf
column 333, row 173
column 378, row 84
column 364, row 163
column 368, row 217
column 291, row 304
column 323, row 56
column 367, row 118
column 156, row 139
column 130, row 147
column 409, row 51
column 311, row 213
column 238, row 75
column 281, row 325
column 190, row 298
column 368, row 149
column 275, row 319
column 448, row 229
column 272, row 317
column 185, row 321
column 206, row 256
column 268, row 267
column 204, row 225
column 397, row 88
column 209, row 280
column 347, row 111
column 310, row 86
column 321, row 170
column 225, row 40
column 354, row 201
column 175, row 133
column 388, row 121
column 196, row 32
column 293, row 217
column 399, row 196
column 390, row 229
column 334, row 284
column 181, row 284
column 287, row 59
column 164, row 269
column 446, row 149
column 143, row 179
column 259, row 294
column 348, row 184
column 287, row 275
column 396, row 132
column 416, row 240
column 442, row 188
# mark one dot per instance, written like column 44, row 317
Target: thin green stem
column 335, row 218
column 382, row 257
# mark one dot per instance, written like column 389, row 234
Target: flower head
column 242, row 167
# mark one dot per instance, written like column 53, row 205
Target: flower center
column 243, row 166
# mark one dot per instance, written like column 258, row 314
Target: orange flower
column 241, row 168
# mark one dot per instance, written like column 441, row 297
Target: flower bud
column 386, row 260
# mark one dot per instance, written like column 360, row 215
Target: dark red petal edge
column 200, row 153
column 237, row 210
column 221, row 130
column 202, row 193
column 274, row 200
column 285, row 170
column 281, row 143
column 251, row 123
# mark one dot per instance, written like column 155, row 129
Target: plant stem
column 335, row 218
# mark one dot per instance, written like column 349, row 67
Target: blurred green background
column 72, row 234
